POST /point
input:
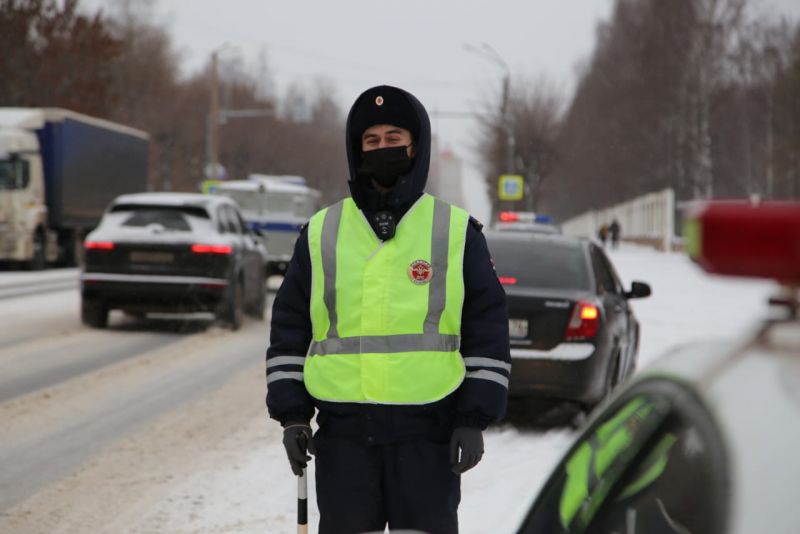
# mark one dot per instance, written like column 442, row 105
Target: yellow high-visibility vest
column 386, row 315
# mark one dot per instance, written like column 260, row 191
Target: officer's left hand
column 470, row 441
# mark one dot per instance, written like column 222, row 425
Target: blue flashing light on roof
column 544, row 219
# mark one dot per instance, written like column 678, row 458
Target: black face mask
column 386, row 165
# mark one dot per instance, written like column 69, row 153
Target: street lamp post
column 490, row 54
column 213, row 115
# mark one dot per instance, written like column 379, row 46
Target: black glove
column 470, row 441
column 297, row 441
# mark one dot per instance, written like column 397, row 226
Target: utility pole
column 509, row 129
column 213, row 119
column 490, row 54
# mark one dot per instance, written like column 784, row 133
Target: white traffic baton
column 302, row 503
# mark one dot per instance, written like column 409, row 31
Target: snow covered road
column 205, row 459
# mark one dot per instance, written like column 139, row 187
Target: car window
column 225, row 220
column 242, row 223
column 602, row 273
column 611, row 270
column 545, row 264
column 653, row 462
column 14, row 173
column 234, row 220
column 170, row 218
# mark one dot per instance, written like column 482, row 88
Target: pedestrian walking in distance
column 614, row 230
column 391, row 326
column 602, row 234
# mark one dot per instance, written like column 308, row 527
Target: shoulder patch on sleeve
column 476, row 223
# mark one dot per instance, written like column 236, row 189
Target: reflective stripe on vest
column 379, row 335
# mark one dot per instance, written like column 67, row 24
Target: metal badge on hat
column 379, row 100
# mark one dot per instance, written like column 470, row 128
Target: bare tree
column 535, row 109
column 54, row 56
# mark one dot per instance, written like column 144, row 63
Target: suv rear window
column 540, row 263
column 174, row 218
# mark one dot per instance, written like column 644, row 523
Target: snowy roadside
column 217, row 465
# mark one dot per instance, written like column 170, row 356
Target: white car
column 706, row 440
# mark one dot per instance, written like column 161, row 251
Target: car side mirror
column 639, row 290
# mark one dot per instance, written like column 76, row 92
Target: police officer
column 392, row 324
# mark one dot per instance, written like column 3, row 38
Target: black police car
column 173, row 252
column 573, row 335
column 705, row 439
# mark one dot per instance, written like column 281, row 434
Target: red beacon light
column 744, row 239
column 509, row 216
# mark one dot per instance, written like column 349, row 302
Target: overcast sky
column 414, row 44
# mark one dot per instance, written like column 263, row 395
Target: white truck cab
column 23, row 210
column 58, row 171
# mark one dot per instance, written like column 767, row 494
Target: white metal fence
column 647, row 219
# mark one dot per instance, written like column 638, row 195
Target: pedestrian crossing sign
column 511, row 187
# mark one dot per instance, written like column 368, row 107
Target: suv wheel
column 232, row 311
column 259, row 308
column 94, row 313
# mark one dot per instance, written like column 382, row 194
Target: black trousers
column 407, row 485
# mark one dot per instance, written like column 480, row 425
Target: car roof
column 542, row 228
column 540, row 237
column 174, row 199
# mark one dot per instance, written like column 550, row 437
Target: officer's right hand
column 297, row 441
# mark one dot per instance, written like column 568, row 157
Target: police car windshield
column 546, row 263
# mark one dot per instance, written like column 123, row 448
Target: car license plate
column 152, row 257
column 518, row 328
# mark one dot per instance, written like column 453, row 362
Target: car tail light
column 742, row 239
column 584, row 323
column 508, row 280
column 509, row 216
column 98, row 245
column 211, row 249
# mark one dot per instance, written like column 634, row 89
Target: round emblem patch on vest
column 420, row 272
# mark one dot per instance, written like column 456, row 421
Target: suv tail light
column 211, row 249
column 98, row 245
column 584, row 323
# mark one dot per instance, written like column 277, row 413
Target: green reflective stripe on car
column 576, row 486
column 609, row 427
column 586, row 487
column 656, row 462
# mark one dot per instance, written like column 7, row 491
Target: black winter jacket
column 481, row 398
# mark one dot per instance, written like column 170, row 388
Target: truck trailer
column 58, row 172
